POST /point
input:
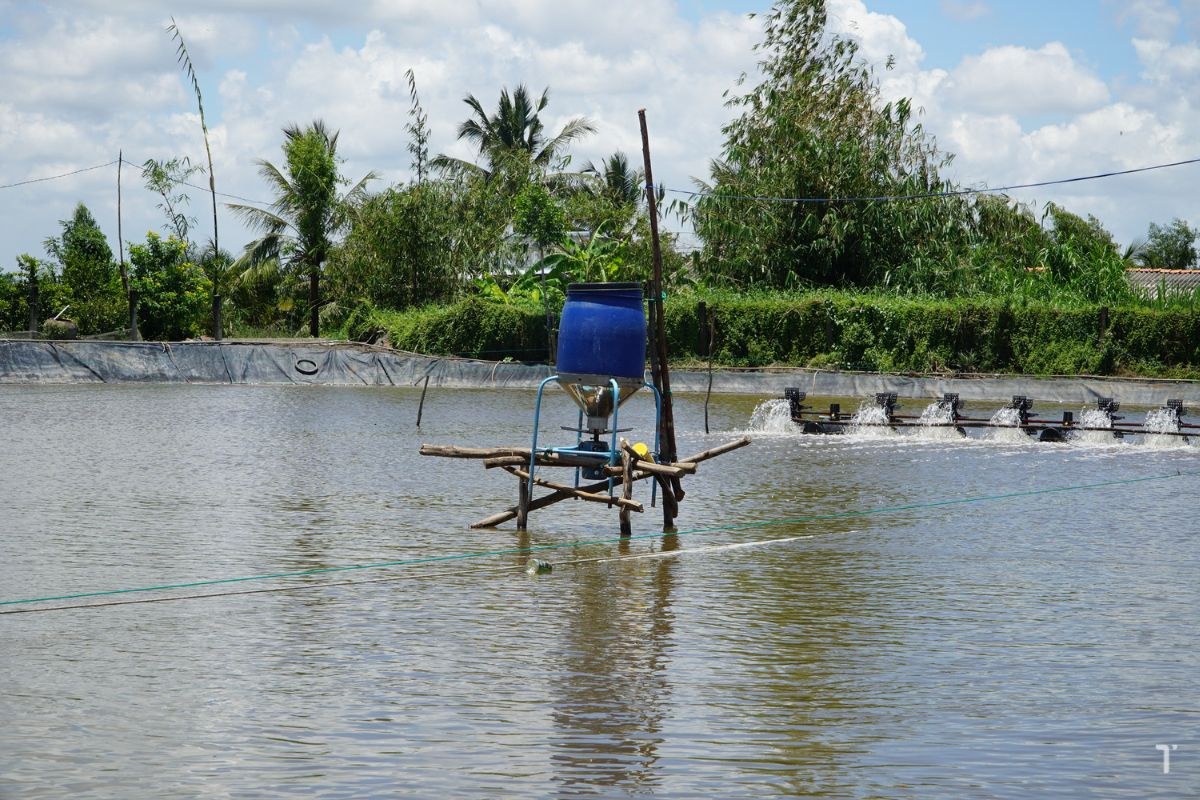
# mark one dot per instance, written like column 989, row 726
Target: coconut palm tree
column 299, row 227
column 515, row 129
column 617, row 179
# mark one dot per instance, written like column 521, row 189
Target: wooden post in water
column 663, row 377
column 522, row 504
column 626, row 489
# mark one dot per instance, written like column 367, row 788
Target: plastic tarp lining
column 350, row 364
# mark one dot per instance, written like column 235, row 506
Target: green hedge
column 473, row 328
column 845, row 331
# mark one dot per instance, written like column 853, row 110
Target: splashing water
column 870, row 420
column 772, row 416
column 1008, row 421
column 1162, row 421
column 936, row 423
column 1094, row 418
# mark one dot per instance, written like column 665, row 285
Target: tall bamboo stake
column 667, row 422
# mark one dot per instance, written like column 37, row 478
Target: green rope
column 591, row 542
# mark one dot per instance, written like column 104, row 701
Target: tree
column 618, row 180
column 164, row 179
column 185, row 61
column 87, row 268
column 173, row 291
column 608, row 198
column 538, row 217
column 815, row 135
column 299, row 227
column 401, row 250
column 418, row 130
column 515, row 128
column 1170, row 246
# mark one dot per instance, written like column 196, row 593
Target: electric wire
column 595, row 542
column 56, row 177
column 924, row 195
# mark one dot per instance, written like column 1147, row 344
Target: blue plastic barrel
column 603, row 331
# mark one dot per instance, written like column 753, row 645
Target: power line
column 56, row 177
column 205, row 189
column 953, row 193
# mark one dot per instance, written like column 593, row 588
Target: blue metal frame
column 612, row 451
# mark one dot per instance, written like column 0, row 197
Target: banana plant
column 527, row 289
column 601, row 260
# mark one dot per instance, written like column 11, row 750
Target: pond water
column 1037, row 645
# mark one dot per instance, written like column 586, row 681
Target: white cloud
column 965, row 10
column 1155, row 19
column 1169, row 65
column 1010, row 114
column 1018, row 80
column 1015, row 115
column 261, row 67
column 879, row 36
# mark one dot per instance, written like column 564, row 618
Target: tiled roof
column 1175, row 280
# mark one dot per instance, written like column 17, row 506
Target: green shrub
column 842, row 330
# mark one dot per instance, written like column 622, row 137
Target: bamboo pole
column 667, row 421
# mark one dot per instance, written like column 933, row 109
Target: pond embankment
column 350, row 364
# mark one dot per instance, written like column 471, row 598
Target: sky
column 1019, row 91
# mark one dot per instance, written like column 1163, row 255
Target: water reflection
column 612, row 688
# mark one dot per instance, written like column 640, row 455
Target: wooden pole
column 626, row 489
column 705, row 455
column 421, row 405
column 522, row 503
column 130, row 300
column 710, row 324
column 120, row 238
column 667, row 423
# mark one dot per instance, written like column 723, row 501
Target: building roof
column 1174, row 280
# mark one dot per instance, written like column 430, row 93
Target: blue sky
column 1020, row 91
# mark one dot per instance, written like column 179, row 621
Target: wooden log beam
column 501, row 517
column 454, row 451
column 669, row 501
column 543, row 460
column 705, row 455
column 649, row 467
column 505, row 461
column 632, row 505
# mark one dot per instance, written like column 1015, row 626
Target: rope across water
column 561, row 546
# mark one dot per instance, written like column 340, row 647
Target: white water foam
column 1007, row 431
column 1094, row 418
column 935, row 424
column 870, row 421
column 1162, row 421
column 773, row 416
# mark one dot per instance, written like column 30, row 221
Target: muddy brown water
column 1034, row 646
